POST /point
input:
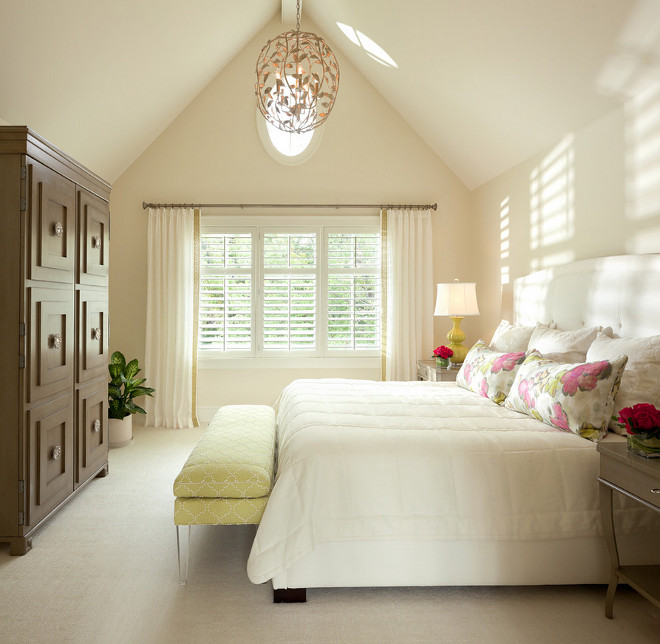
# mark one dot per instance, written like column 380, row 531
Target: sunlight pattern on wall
column 643, row 155
column 552, row 207
column 371, row 48
column 505, row 242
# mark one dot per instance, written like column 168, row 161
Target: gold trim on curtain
column 383, row 294
column 195, row 334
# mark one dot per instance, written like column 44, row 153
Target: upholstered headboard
column 622, row 291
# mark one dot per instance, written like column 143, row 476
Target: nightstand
column 639, row 479
column 426, row 370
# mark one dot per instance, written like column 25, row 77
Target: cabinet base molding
column 21, row 545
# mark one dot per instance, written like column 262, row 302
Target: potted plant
column 122, row 389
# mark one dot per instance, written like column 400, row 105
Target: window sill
column 345, row 362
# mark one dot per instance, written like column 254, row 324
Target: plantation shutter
column 226, row 282
column 289, row 291
column 353, row 291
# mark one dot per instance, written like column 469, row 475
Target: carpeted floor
column 104, row 570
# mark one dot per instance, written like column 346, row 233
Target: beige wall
column 212, row 153
column 594, row 193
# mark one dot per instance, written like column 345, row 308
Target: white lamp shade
column 456, row 299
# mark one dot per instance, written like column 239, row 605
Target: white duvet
column 363, row 460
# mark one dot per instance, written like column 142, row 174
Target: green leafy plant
column 124, row 386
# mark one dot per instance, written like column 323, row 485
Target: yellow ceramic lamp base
column 456, row 337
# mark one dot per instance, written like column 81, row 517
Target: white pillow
column 510, row 339
column 641, row 379
column 563, row 346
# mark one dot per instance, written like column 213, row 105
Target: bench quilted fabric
column 235, row 457
column 219, row 511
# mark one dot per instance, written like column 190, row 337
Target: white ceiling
column 486, row 83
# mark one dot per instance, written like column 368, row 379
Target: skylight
column 372, row 49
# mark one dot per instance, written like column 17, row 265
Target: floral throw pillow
column 489, row 373
column 575, row 398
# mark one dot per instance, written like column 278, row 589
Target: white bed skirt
column 450, row 563
column 581, row 560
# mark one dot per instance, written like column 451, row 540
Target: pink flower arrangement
column 640, row 419
column 443, row 352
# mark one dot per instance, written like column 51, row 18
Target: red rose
column 443, row 352
column 640, row 418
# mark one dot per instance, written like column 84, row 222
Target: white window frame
column 322, row 356
column 261, row 274
column 253, row 231
column 327, row 230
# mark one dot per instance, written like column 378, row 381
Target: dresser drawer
column 92, row 429
column 645, row 486
column 93, row 239
column 425, row 371
column 51, row 225
column 51, row 339
column 92, row 311
column 50, row 449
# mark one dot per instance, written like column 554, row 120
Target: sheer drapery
column 409, row 293
column 172, row 300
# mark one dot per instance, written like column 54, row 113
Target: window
column 289, row 291
column 285, row 147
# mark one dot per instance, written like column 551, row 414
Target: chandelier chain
column 297, row 15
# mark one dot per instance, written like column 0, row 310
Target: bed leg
column 289, row 595
column 183, row 551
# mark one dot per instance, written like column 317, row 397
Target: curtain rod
column 146, row 205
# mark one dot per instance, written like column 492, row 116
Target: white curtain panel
column 169, row 346
column 409, row 292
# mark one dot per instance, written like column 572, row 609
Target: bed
column 414, row 484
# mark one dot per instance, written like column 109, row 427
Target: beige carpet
column 104, row 570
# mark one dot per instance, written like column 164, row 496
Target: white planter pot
column 121, row 431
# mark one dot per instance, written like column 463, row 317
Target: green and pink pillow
column 489, row 373
column 576, row 398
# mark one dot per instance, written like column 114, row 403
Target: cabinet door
column 50, row 348
column 50, row 457
column 51, row 225
column 93, row 239
column 91, row 429
column 93, row 334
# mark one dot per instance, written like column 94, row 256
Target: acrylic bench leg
column 183, row 551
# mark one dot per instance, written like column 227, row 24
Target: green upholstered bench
column 228, row 476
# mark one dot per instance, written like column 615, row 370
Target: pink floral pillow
column 489, row 373
column 575, row 398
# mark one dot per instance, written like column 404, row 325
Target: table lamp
column 456, row 300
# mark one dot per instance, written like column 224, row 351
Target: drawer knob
column 58, row 229
column 57, row 452
column 96, row 426
column 655, row 490
column 96, row 242
column 56, row 341
column 96, row 333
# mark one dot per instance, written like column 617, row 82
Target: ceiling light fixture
column 297, row 80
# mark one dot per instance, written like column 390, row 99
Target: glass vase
column 646, row 445
column 442, row 363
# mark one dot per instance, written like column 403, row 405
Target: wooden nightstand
column 426, row 370
column 639, row 479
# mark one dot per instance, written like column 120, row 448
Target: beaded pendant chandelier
column 297, row 80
